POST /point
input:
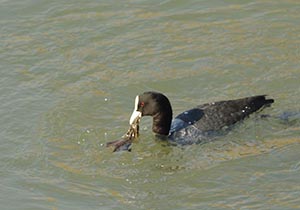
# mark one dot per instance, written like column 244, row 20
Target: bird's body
column 200, row 122
column 197, row 123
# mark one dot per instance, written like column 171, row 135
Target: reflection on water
column 71, row 71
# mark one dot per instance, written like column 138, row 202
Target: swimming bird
column 196, row 124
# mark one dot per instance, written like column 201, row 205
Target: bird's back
column 211, row 117
column 225, row 113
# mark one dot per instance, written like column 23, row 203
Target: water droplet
column 243, row 110
column 105, row 99
column 78, row 142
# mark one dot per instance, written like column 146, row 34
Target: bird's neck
column 162, row 123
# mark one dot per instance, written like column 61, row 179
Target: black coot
column 195, row 124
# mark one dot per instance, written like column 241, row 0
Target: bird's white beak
column 136, row 115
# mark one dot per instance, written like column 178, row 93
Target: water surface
column 70, row 72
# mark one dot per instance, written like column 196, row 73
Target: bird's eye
column 142, row 104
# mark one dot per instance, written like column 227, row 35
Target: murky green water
column 70, row 71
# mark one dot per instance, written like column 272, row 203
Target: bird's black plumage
column 200, row 120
